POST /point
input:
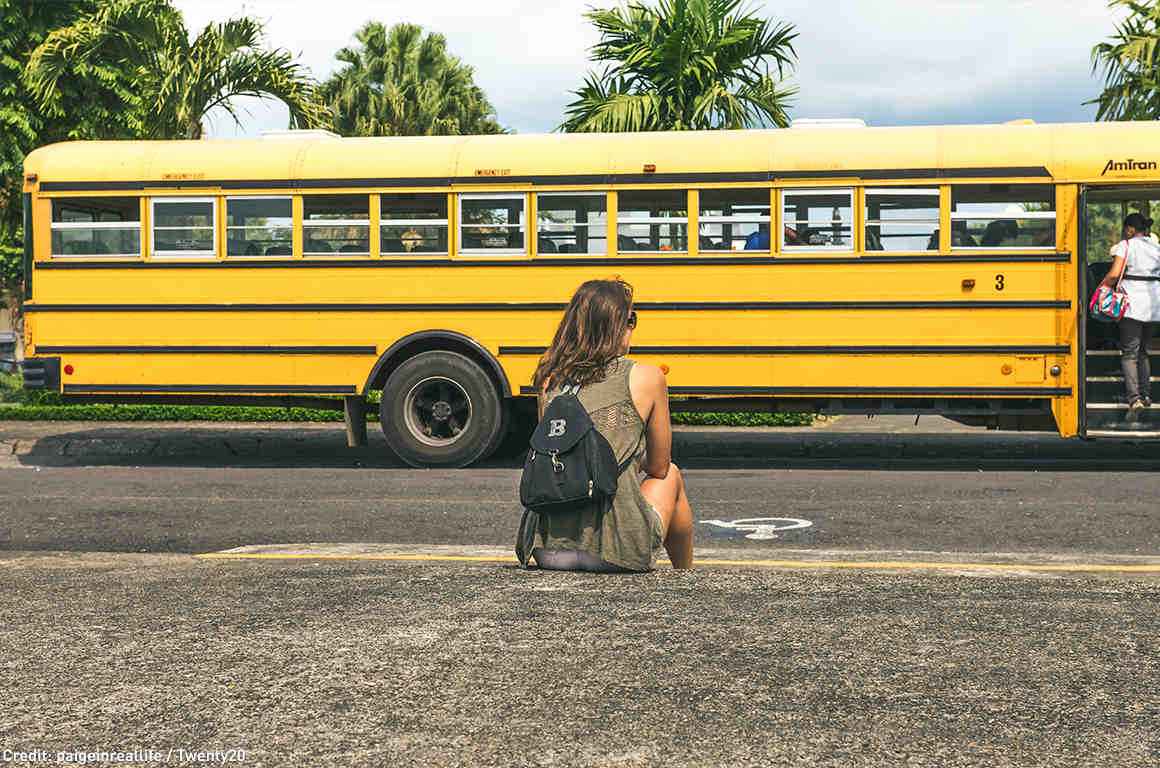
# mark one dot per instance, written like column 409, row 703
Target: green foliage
column 83, row 112
column 111, row 412
column 399, row 83
column 744, row 419
column 685, row 65
column 11, row 264
column 1130, row 62
column 18, row 404
column 176, row 80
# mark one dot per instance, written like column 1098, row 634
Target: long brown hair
column 589, row 336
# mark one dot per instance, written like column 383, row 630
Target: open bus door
column 1103, row 405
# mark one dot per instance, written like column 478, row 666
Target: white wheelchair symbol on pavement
column 760, row 528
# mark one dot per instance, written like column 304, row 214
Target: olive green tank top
column 628, row 533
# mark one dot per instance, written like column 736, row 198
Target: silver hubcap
column 437, row 411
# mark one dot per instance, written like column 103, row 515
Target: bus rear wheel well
column 437, row 340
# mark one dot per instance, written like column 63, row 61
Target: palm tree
column 684, row 65
column 399, row 83
column 1130, row 61
column 178, row 81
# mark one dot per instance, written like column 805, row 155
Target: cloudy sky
column 890, row 62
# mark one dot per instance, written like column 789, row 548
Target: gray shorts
column 574, row 560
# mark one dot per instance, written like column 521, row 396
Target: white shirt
column 1142, row 258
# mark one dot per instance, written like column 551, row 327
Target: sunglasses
column 632, row 319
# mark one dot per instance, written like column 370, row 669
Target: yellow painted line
column 870, row 565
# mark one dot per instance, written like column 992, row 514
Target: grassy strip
column 744, row 419
column 110, row 412
column 18, row 404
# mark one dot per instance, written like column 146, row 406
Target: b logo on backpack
column 556, row 427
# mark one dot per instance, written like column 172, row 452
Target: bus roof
column 1067, row 152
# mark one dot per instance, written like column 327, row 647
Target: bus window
column 492, row 224
column 413, row 223
column 184, row 227
column 258, row 226
column 336, row 225
column 818, row 219
column 656, row 220
column 96, row 226
column 1003, row 216
column 572, row 223
column 902, row 219
column 734, row 220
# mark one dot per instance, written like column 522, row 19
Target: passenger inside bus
column 1000, row 232
column 759, row 240
column 959, row 237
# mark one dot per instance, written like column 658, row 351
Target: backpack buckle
column 557, row 465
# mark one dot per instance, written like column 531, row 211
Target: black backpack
column 569, row 464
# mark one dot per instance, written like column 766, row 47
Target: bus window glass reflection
column 1003, row 216
column 572, row 223
column 818, row 219
column 652, row 220
column 413, row 224
column 733, row 220
column 902, row 220
column 336, row 225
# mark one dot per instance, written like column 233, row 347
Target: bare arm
column 650, row 395
column 1114, row 272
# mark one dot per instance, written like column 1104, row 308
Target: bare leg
column 669, row 499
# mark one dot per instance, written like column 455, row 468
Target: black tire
column 521, row 424
column 440, row 409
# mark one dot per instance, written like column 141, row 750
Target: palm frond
column 684, row 64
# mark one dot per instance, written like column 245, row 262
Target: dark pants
column 1134, row 338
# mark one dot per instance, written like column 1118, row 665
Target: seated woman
column 629, row 405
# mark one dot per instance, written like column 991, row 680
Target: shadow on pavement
column 264, row 445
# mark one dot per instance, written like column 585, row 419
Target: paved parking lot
column 958, row 599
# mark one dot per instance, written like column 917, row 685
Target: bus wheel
column 440, row 409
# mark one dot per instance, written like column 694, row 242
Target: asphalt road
column 156, row 488
column 846, row 648
column 306, row 663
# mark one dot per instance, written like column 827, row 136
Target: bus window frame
column 210, row 255
column 688, row 220
column 536, row 194
column 783, row 220
column 226, row 226
column 305, row 225
column 767, row 219
column 54, row 226
column 514, row 253
column 934, row 190
column 1052, row 215
column 446, row 221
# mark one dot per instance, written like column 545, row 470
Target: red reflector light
column 68, row 369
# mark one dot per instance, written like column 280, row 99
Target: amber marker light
column 664, row 369
column 650, row 168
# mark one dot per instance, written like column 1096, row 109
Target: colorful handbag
column 1109, row 305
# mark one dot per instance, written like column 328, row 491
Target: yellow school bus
column 832, row 269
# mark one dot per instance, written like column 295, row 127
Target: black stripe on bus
column 672, row 306
column 825, row 350
column 288, row 389
column 864, row 391
column 202, row 350
column 740, row 177
column 563, row 261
